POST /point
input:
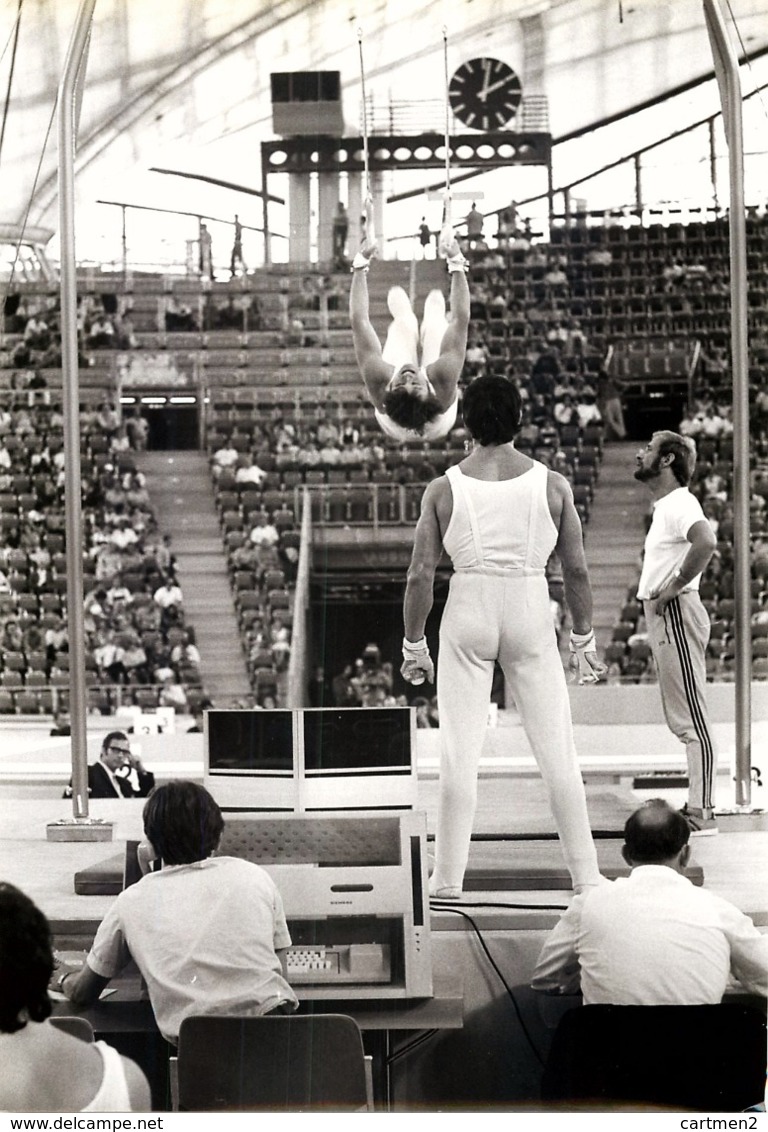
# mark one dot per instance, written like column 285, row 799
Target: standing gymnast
column 499, row 515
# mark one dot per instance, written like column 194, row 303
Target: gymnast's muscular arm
column 374, row 371
column 446, row 371
column 570, row 550
column 427, row 549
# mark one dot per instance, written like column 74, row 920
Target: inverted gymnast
column 412, row 396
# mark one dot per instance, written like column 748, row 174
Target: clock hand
column 486, row 90
column 482, row 93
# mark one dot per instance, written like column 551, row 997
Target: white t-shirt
column 666, row 543
column 652, row 939
column 204, row 937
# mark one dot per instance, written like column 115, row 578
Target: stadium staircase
column 613, row 537
column 179, row 486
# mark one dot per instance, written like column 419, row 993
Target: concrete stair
column 180, row 489
column 614, row 535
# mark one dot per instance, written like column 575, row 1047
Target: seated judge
column 204, row 931
column 45, row 1069
column 119, row 773
column 653, row 938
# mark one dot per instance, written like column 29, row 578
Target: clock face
column 484, row 93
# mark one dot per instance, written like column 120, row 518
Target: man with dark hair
column 119, row 773
column 499, row 515
column 204, row 931
column 653, row 938
column 678, row 547
column 411, row 398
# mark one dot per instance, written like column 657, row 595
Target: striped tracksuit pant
column 679, row 638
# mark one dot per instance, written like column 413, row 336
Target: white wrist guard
column 457, row 263
column 360, row 262
column 417, row 664
column 583, row 659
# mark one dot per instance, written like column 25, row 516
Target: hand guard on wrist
column 583, row 658
column 457, row 263
column 417, row 664
column 360, row 262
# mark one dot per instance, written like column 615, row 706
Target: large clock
column 484, row 93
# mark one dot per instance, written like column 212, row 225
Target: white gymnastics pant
column 403, row 337
column 488, row 617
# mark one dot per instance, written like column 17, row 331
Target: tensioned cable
column 758, row 89
column 12, row 31
column 365, row 112
column 10, row 75
column 32, row 192
column 447, row 211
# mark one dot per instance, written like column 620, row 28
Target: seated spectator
column 326, row 431
column 179, row 316
column 263, row 533
column 601, row 257
column 37, row 335
column 44, row 1068
column 56, row 638
column 185, row 654
column 587, row 410
column 204, row 931
column 13, row 637
column 476, row 358
column 280, row 643
column 134, row 659
column 108, row 419
column 350, row 435
column 168, row 594
column 224, row 459
column 653, row 938
column 101, row 333
column 248, row 472
column 565, row 412
column 172, row 694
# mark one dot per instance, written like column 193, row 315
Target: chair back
column 273, row 1063
column 699, row 1058
column 73, row 1025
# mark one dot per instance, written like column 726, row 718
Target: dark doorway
column 172, row 426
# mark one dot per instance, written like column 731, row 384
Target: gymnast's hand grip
column 417, row 664
column 584, row 660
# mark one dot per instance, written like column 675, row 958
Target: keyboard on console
column 338, row 963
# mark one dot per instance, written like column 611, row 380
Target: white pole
column 70, row 93
column 727, row 71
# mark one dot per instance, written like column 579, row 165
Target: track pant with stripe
column 679, row 640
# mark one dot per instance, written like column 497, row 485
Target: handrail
column 297, row 664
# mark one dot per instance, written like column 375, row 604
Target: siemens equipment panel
column 311, row 759
column 355, row 894
column 249, row 760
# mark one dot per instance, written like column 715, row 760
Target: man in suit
column 118, row 773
